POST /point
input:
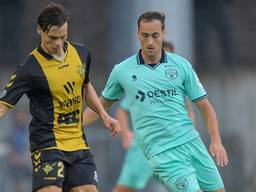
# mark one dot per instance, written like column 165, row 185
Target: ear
column 38, row 30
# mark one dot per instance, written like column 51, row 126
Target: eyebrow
column 52, row 36
column 145, row 33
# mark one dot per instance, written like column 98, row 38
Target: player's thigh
column 173, row 168
column 51, row 188
column 81, row 174
column 208, row 175
column 48, row 170
column 84, row 188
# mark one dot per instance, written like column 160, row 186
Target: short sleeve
column 113, row 89
column 18, row 85
column 193, row 86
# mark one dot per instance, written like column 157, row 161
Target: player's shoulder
column 27, row 66
column 82, row 51
column 128, row 62
column 79, row 46
column 178, row 60
column 29, row 62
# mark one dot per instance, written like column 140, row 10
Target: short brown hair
column 152, row 15
column 52, row 15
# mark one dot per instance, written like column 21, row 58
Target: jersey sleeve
column 113, row 89
column 18, row 85
column 193, row 86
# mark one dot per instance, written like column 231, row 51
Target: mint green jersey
column 156, row 98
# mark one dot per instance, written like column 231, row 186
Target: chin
column 151, row 53
column 55, row 52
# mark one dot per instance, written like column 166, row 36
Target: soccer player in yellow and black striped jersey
column 55, row 77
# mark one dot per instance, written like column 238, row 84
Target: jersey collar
column 47, row 55
column 141, row 61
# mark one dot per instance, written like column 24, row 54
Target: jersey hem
column 107, row 99
column 171, row 147
column 7, row 104
column 50, row 148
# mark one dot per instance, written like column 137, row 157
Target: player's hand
column 112, row 125
column 218, row 151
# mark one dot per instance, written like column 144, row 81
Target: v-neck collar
column 140, row 60
column 47, row 55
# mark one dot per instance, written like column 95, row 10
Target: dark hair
column 52, row 15
column 152, row 15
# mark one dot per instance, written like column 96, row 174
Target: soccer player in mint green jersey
column 156, row 83
column 136, row 172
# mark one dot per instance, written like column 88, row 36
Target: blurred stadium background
column 217, row 36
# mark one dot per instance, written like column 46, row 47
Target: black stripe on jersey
column 41, row 106
column 85, row 56
column 200, row 98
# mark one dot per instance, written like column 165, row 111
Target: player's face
column 151, row 37
column 52, row 41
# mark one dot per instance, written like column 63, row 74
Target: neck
column 151, row 59
column 60, row 54
column 59, row 57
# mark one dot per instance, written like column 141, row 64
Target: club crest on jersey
column 181, row 183
column 171, row 73
column 81, row 70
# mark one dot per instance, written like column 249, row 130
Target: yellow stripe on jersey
column 7, row 104
column 65, row 81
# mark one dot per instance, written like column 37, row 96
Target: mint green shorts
column 187, row 168
column 135, row 171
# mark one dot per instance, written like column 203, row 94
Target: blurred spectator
column 211, row 19
column 19, row 156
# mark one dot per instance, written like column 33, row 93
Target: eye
column 155, row 35
column 53, row 38
column 144, row 35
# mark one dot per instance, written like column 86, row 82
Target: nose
column 150, row 41
column 59, row 42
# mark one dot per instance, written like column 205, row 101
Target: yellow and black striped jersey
column 55, row 90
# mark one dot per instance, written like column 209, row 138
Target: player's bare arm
column 97, row 110
column 127, row 135
column 3, row 110
column 90, row 116
column 217, row 150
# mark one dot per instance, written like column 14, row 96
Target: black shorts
column 63, row 169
